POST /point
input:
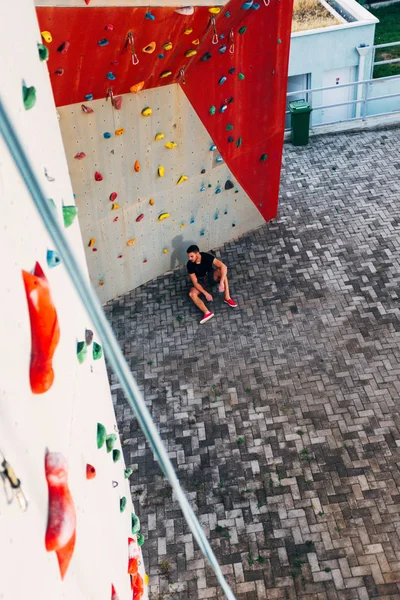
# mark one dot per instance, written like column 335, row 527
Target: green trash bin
column 300, row 116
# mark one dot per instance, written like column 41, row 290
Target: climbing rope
column 111, row 346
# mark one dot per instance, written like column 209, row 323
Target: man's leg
column 217, row 277
column 194, row 295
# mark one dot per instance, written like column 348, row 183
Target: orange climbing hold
column 196, row 42
column 61, row 523
column 90, row 472
column 45, row 331
column 92, row 242
column 149, row 49
column 137, row 87
column 151, row 201
column 120, row 131
column 115, row 206
column 137, row 166
column 137, row 586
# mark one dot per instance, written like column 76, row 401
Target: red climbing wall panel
column 256, row 113
column 249, row 133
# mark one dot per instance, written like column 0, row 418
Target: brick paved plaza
column 282, row 417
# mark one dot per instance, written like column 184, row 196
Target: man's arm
column 222, row 266
column 196, row 284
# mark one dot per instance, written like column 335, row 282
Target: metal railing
column 383, row 62
column 361, row 103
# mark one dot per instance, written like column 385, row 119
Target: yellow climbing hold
column 196, row 42
column 151, row 201
column 91, row 243
column 182, row 225
column 130, row 242
column 137, row 87
column 167, row 46
column 101, row 282
column 190, row 53
column 215, row 10
column 165, row 251
column 146, row 579
column 171, row 145
column 149, row 49
column 163, row 216
column 46, row 35
column 147, row 112
column 115, row 206
column 161, row 171
column 181, row 179
column 188, row 31
column 120, row 131
column 159, row 136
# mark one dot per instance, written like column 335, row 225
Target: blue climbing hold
column 222, row 49
column 110, row 75
column 247, row 5
column 218, row 190
column 107, row 135
column 89, row 97
column 216, row 216
column 161, row 56
column 191, row 221
column 206, row 56
column 222, row 80
column 219, row 159
column 52, row 258
column 213, row 147
column 255, row 6
column 149, row 16
column 221, row 37
column 223, row 108
column 202, row 189
column 103, row 42
column 202, row 233
column 227, row 14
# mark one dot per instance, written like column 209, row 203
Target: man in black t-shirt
column 200, row 267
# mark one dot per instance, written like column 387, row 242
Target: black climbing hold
column 232, row 70
column 236, row 191
column 230, row 100
column 239, row 142
column 202, row 171
column 263, row 157
column 209, row 185
column 233, row 224
column 206, row 56
column 229, row 185
column 231, row 139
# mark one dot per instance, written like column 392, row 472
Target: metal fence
column 383, row 62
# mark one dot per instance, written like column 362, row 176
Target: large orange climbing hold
column 61, row 523
column 137, row 166
column 137, row 586
column 149, row 49
column 45, row 331
column 137, row 87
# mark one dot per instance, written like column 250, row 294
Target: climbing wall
column 135, row 224
column 67, row 524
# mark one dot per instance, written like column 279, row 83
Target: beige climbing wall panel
column 63, row 419
column 206, row 218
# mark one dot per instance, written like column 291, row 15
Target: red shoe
column 231, row 303
column 206, row 317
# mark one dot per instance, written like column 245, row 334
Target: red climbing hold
column 87, row 2
column 133, row 556
column 120, row 256
column 117, row 102
column 63, row 48
column 45, row 331
column 109, row 27
column 115, row 220
column 87, row 109
column 80, row 155
column 114, row 595
column 61, row 523
column 113, row 196
column 98, row 176
column 90, row 472
column 140, row 218
column 137, row 586
column 94, row 249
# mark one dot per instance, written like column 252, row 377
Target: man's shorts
column 208, row 280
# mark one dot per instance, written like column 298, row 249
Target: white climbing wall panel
column 208, row 218
column 64, row 418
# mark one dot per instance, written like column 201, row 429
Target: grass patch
column 387, row 30
column 311, row 14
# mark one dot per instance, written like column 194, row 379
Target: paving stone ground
column 282, row 417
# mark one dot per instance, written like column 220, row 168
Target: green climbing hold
column 81, row 351
column 101, row 435
column 29, row 96
column 229, row 127
column 122, row 504
column 128, row 473
column 43, row 52
column 239, row 142
column 242, row 30
column 116, row 455
column 279, row 41
column 241, row 76
column 263, row 157
column 212, row 110
column 140, row 539
column 110, row 441
column 135, row 524
column 97, row 351
column 69, row 214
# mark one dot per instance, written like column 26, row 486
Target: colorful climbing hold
column 218, row 190
column 43, row 52
column 229, row 127
column 227, row 14
column 97, row 351
column 147, row 111
column 91, row 243
column 240, row 76
column 222, row 80
column 223, row 108
column 115, row 206
column 103, row 42
column 213, row 147
column 136, row 166
column 110, row 76
column 90, row 472
column 232, row 70
column 29, row 96
column 117, row 102
column 190, row 53
column 185, row 10
column 202, row 171
column 203, row 188
column 110, row 441
column 212, row 110
column 230, row 100
column 229, row 185
column 149, row 16
column 161, row 55
column 80, row 155
column 246, row 5
column 171, row 145
column 202, row 232
column 113, row 196
column 196, row 42
column 128, row 473
column 98, row 176
column 165, row 251
column 263, row 157
column 161, row 171
column 87, row 109
column 63, row 48
column 219, row 159
column 181, row 179
column 114, row 595
column 101, row 282
column 242, row 29
column 52, row 258
column 140, row 218
column 137, row 87
column 130, row 242
column 61, row 521
column 119, row 131
column 107, row 135
column 182, row 225
column 188, row 31
column 46, row 35
column 151, row 201
column 122, row 504
column 167, row 46
column 215, row 10
column 239, row 142
column 59, row 72
column 206, row 56
column 163, row 216
column 81, row 351
column 165, row 74
column 69, row 214
column 116, row 455
column 140, row 539
column 159, row 136
column 231, row 139
column 149, row 49
column 101, row 435
column 255, row 6
column 135, row 524
column 222, row 49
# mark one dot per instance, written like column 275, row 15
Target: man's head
column 193, row 252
